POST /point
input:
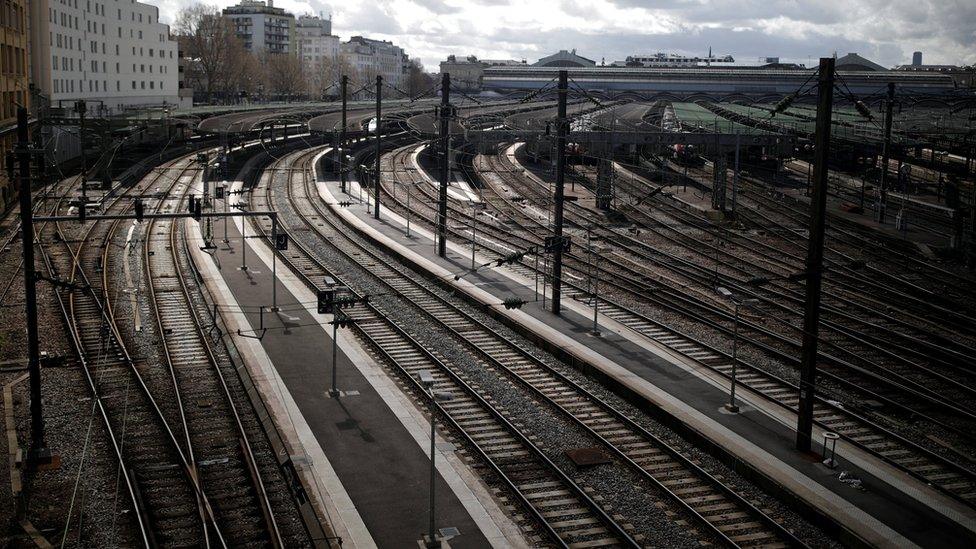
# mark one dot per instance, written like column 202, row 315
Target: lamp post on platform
column 725, row 292
column 476, row 209
column 427, row 380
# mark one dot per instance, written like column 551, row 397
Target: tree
column 321, row 75
column 212, row 47
column 418, row 81
column 283, row 74
column 244, row 76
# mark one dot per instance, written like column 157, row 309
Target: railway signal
column 281, row 242
column 558, row 244
column 140, row 209
column 332, row 301
column 325, row 299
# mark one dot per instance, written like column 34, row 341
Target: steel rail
column 107, row 315
column 466, row 338
column 928, row 454
column 578, row 492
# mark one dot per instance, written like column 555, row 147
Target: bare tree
column 209, row 41
column 244, row 75
column 418, row 81
column 283, row 74
column 321, row 75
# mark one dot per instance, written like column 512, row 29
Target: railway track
column 633, row 257
column 185, row 454
column 217, row 442
column 718, row 508
column 167, row 501
column 953, row 476
column 852, row 423
column 937, row 353
column 556, row 506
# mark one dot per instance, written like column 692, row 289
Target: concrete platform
column 365, row 453
column 890, row 510
column 914, row 233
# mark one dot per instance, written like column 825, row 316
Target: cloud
column 886, row 31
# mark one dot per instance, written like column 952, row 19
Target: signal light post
column 330, row 302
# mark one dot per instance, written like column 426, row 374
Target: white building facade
column 263, row 27
column 317, row 47
column 115, row 51
column 370, row 57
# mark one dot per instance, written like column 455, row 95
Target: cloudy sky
column 886, row 31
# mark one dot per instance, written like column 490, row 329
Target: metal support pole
column 205, row 199
column 561, row 131
column 407, row 187
column 815, row 251
column 431, row 540
column 379, row 142
column 732, row 407
column 809, row 176
column 474, row 234
column 39, row 451
column 243, row 244
column 445, row 137
column 537, row 275
column 274, row 264
column 545, row 280
column 886, row 152
column 589, row 258
column 596, row 303
column 334, row 391
column 81, row 107
column 342, row 137
column 735, row 175
column 226, row 200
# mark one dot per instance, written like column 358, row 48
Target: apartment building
column 13, row 83
column 263, row 27
column 317, row 47
column 112, row 53
column 370, row 57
